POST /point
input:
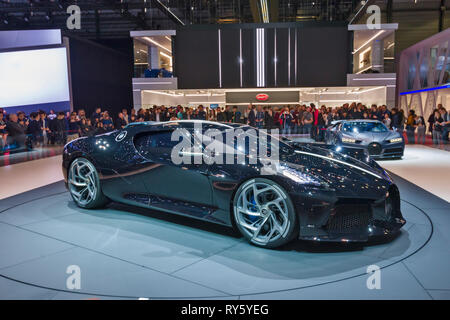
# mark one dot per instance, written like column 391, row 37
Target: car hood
column 347, row 175
column 372, row 136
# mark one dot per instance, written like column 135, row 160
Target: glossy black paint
column 350, row 201
column 375, row 144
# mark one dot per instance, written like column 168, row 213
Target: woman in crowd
column 3, row 132
column 420, row 124
column 321, row 118
column 269, row 120
column 431, row 122
column 120, row 121
column 99, row 129
column 86, row 127
column 285, row 122
column 387, row 120
column 60, row 128
column 108, row 123
column 34, row 129
column 212, row 115
column 307, row 120
column 411, row 127
column 74, row 128
column 437, row 128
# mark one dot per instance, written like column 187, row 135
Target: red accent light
column 262, row 97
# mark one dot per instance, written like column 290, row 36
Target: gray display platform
column 126, row 252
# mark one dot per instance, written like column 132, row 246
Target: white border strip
column 260, row 58
column 240, row 55
column 275, row 56
column 220, row 58
column 289, row 56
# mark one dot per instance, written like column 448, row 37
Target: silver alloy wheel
column 262, row 212
column 82, row 181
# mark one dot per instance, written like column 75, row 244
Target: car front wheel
column 84, row 185
column 264, row 213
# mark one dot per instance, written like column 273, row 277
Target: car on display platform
column 371, row 137
column 310, row 193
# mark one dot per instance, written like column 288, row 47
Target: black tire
column 77, row 183
column 292, row 226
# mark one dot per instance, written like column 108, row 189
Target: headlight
column 387, row 175
column 300, row 177
column 348, row 140
column 396, row 140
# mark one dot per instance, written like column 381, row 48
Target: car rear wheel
column 84, row 185
column 264, row 213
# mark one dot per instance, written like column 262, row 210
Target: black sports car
column 313, row 193
column 367, row 136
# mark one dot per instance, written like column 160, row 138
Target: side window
column 155, row 143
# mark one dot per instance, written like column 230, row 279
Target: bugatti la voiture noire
column 311, row 193
column 370, row 137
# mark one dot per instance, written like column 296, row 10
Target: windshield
column 364, row 127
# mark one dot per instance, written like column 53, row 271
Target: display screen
column 269, row 55
column 33, row 77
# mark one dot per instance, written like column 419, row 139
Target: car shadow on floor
column 295, row 245
column 324, row 247
column 177, row 219
column 173, row 237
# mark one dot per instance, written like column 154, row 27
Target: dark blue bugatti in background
column 369, row 137
column 313, row 193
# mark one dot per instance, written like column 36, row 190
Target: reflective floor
column 128, row 253
column 19, row 156
column 424, row 166
column 29, row 175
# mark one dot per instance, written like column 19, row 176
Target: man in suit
column 260, row 115
column 252, row 117
column 445, row 125
column 15, row 130
column 201, row 115
column 236, row 115
column 120, row 121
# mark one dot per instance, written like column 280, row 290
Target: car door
column 174, row 184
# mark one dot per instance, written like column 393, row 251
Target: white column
column 153, row 57
column 378, row 56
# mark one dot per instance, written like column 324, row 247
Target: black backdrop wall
column 295, row 54
column 101, row 77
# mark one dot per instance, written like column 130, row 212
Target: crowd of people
column 39, row 128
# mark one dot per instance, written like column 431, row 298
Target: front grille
column 394, row 150
column 374, row 149
column 347, row 218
